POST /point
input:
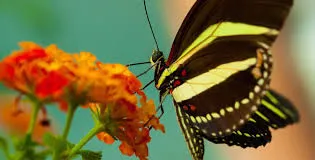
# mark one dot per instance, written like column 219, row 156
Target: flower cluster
column 111, row 91
column 128, row 123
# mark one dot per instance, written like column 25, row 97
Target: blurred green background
column 116, row 31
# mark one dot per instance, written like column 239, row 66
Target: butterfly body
column 218, row 73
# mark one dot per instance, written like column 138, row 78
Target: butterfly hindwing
column 276, row 111
column 192, row 135
column 251, row 134
column 221, row 97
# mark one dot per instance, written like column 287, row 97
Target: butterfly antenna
column 134, row 64
column 146, row 13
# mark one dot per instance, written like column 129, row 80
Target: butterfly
column 218, row 73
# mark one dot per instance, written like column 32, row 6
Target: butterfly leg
column 147, row 84
column 160, row 107
column 146, row 71
column 162, row 110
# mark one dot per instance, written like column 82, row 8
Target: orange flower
column 119, row 113
column 110, row 90
column 52, row 75
column 25, row 71
column 16, row 122
column 126, row 121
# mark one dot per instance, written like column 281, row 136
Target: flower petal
column 103, row 136
column 53, row 83
column 126, row 149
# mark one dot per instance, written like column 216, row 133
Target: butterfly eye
column 156, row 56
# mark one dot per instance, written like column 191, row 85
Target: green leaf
column 56, row 141
column 90, row 155
column 57, row 145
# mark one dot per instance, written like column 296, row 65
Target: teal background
column 116, row 31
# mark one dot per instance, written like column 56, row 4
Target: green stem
column 85, row 139
column 35, row 110
column 68, row 122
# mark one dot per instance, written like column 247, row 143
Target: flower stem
column 85, row 139
column 35, row 110
column 68, row 121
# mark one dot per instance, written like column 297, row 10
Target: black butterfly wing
column 192, row 135
column 219, row 93
column 276, row 111
column 207, row 13
column 219, row 69
column 223, row 49
column 251, row 134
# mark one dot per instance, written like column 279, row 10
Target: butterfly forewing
column 235, row 17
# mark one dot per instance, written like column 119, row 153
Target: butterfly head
column 157, row 59
column 157, row 56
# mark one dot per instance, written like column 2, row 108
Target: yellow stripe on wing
column 202, row 82
column 225, row 29
column 286, row 111
column 274, row 109
column 210, row 34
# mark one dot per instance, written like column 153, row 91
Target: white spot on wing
column 237, row 105
column 204, row 119
column 257, row 89
column 265, row 74
column 198, row 119
column 245, row 101
column 193, row 119
column 251, row 95
column 215, row 115
column 229, row 109
column 260, row 81
column 222, row 112
column 208, row 117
